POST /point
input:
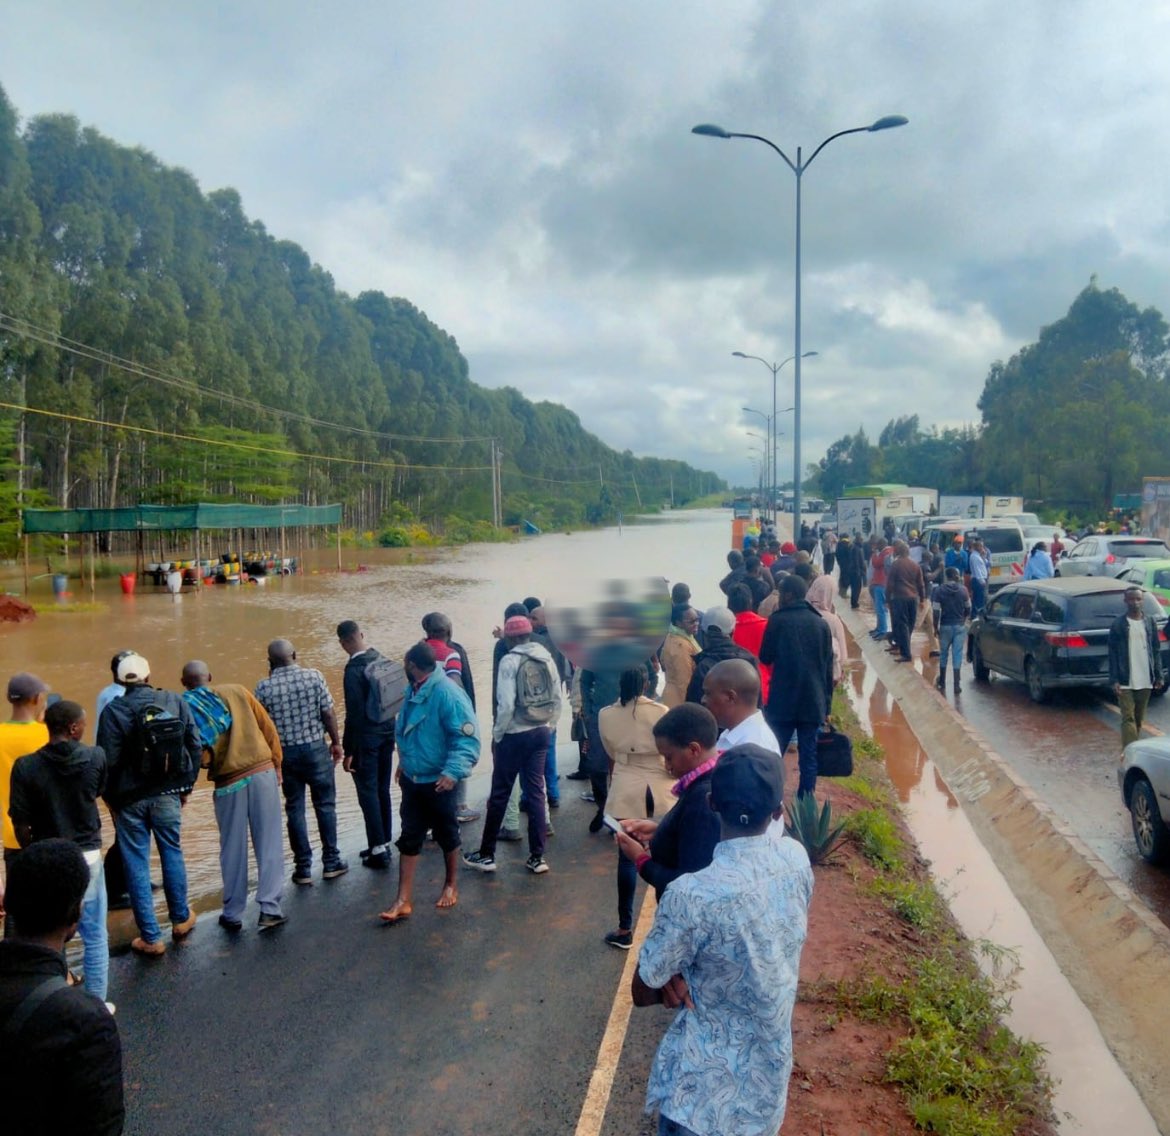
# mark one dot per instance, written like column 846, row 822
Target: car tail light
column 1066, row 639
column 1111, row 559
column 1162, row 635
column 1163, row 601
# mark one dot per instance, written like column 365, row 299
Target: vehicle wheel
column 1036, row 691
column 1149, row 830
column 982, row 674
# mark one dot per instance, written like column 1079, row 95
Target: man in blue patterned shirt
column 725, row 950
column 301, row 707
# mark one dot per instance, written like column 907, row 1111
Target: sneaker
column 232, row 925
column 479, row 861
column 554, row 802
column 112, row 1008
column 364, row 853
column 536, row 865
column 595, row 824
column 510, row 835
column 151, row 950
column 588, row 798
column 549, row 830
column 377, row 860
column 338, row 869
column 304, row 879
column 623, row 940
column 580, row 775
column 465, row 815
column 267, row 921
column 182, row 930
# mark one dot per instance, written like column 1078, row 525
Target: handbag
column 834, row 753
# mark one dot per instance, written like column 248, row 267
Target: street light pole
column 798, row 167
column 775, row 369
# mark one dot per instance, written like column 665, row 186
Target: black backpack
column 162, row 750
column 387, row 690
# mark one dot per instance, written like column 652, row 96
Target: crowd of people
column 681, row 755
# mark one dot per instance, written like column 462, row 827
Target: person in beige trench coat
column 678, row 655
column 640, row 786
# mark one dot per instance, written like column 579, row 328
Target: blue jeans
column 135, row 823
column 952, row 637
column 371, row 778
column 95, row 936
column 310, row 766
column 878, row 592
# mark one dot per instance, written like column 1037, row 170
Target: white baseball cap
column 133, row 668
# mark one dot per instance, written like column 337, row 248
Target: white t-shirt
column 754, row 730
column 1139, row 656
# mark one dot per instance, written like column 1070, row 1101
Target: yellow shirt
column 16, row 740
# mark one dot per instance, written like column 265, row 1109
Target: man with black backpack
column 375, row 688
column 153, row 755
column 528, row 705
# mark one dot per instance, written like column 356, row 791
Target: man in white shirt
column 1135, row 663
column 731, row 691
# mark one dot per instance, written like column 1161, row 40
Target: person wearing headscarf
column 678, row 653
column 820, row 595
column 1039, row 566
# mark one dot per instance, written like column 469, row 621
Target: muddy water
column 229, row 627
column 1093, row 1095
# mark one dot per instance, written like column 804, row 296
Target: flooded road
column 230, row 627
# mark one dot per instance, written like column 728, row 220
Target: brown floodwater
column 1093, row 1094
column 230, row 627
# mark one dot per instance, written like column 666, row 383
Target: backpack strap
column 27, row 1007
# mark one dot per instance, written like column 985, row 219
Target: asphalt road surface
column 485, row 1019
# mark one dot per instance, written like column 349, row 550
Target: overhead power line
column 50, row 338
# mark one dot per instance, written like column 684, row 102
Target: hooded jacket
column 55, row 792
column 506, row 722
column 436, row 731
column 118, row 737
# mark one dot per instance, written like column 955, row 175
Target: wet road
column 1067, row 750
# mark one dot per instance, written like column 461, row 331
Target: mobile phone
column 613, row 825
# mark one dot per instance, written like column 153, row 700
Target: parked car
column 1153, row 575
column 1004, row 541
column 1144, row 778
column 1053, row 633
column 1110, row 555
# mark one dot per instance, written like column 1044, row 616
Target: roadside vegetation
column 940, row 998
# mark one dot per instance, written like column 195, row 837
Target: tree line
column 1067, row 422
column 158, row 345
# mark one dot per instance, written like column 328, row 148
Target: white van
column 1003, row 539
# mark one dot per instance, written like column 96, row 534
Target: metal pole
column 772, row 463
column 796, row 495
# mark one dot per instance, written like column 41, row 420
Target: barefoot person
column 438, row 744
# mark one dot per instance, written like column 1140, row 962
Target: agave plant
column 813, row 826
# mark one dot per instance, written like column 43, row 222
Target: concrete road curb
column 1110, row 946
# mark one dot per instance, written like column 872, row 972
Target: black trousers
column 903, row 613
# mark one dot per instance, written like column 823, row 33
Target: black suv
column 1055, row 632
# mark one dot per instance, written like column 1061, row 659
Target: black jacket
column 798, row 645
column 468, row 683
column 356, row 687
column 1119, row 652
column 685, row 838
column 760, row 588
column 64, row 1072
column 735, row 576
column 55, row 792
column 718, row 648
column 118, row 737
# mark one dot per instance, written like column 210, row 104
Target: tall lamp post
column 775, row 369
column 768, row 420
column 798, row 167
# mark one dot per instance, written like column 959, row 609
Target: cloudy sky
column 525, row 173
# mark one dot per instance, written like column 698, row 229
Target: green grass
column 877, row 836
column 68, row 607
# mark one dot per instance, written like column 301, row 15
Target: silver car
column 1144, row 778
column 1109, row 555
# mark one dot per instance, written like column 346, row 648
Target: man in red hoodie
column 749, row 631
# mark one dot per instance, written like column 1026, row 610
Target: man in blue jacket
column 438, row 744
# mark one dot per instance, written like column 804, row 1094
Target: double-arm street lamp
column 798, row 167
column 774, row 419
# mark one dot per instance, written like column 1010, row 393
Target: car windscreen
column 1152, row 549
column 1100, row 609
column 1002, row 540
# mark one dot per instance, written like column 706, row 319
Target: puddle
column 1093, row 1094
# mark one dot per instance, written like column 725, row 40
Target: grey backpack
column 536, row 692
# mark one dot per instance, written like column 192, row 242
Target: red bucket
column 127, row 580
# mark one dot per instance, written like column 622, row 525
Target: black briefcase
column 834, row 753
